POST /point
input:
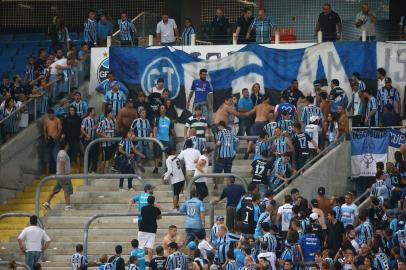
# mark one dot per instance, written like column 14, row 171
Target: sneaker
column 113, row 169
column 68, row 207
column 121, row 190
column 46, row 205
column 246, row 155
column 131, row 190
column 155, row 170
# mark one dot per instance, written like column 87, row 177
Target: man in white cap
column 313, row 130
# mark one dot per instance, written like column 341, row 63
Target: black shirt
column 219, row 28
column 149, row 215
column 292, row 96
column 120, row 264
column 155, row 101
column 260, row 168
column 233, row 193
column 158, row 263
column 257, row 99
column 328, row 25
column 247, row 219
column 71, row 127
column 390, row 119
column 244, row 26
column 301, row 143
column 6, row 88
column 335, row 235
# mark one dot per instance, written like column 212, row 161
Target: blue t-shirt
column 164, row 126
column 310, row 245
column 141, row 200
column 201, row 89
column 239, row 257
column 104, row 29
column 192, row 208
column 245, row 103
column 139, row 253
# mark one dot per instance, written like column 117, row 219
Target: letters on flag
column 367, row 148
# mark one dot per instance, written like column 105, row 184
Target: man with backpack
column 116, row 262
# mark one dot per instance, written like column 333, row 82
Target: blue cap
column 220, row 218
column 192, row 245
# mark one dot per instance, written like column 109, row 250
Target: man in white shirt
column 159, row 87
column 166, row 30
column 33, row 241
column 57, row 69
column 313, row 130
column 366, row 21
column 174, row 173
column 190, row 156
column 285, row 213
column 202, row 167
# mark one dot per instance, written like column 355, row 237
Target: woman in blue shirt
column 187, row 33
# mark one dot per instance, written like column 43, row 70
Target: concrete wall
column 331, row 172
column 20, row 161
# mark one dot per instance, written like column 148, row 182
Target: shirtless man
column 223, row 113
column 343, row 123
column 170, row 236
column 126, row 116
column 263, row 112
column 52, row 130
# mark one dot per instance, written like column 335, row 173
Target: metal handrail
column 20, row 264
column 19, row 109
column 133, row 20
column 22, row 214
column 117, row 139
column 93, row 218
column 74, row 176
column 360, row 198
column 378, row 127
column 311, row 162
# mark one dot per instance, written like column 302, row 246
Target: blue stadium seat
column 20, row 59
column 4, row 59
column 26, row 51
column 45, row 44
column 81, row 36
column 29, row 37
column 9, row 52
column 6, row 38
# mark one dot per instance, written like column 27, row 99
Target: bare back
column 262, row 112
column 52, row 127
column 127, row 116
column 167, row 239
column 222, row 114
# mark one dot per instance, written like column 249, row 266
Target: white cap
column 314, row 216
column 314, row 118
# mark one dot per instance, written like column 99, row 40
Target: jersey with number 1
column 247, row 215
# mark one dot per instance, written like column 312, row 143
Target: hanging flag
column 367, row 148
column 397, row 138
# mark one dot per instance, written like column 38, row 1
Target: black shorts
column 258, row 128
column 158, row 150
column 107, row 152
column 74, row 148
column 177, row 188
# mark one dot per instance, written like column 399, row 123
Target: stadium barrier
column 93, row 218
column 75, row 176
column 7, row 215
column 117, row 139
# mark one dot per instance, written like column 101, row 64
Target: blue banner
column 397, row 138
column 274, row 69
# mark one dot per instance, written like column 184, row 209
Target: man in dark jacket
column 71, row 133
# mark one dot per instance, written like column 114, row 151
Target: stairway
column 100, row 196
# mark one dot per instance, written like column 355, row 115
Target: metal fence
column 75, row 176
column 90, row 221
column 117, row 139
column 8, row 215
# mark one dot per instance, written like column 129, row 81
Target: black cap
column 388, row 80
column 321, row 191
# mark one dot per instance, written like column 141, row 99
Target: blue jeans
column 244, row 125
column 168, row 43
column 32, row 257
column 205, row 110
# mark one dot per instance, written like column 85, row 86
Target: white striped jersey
column 187, row 35
column 280, row 144
column 260, row 146
column 90, row 31
column 142, row 129
column 89, row 124
column 309, row 111
column 198, row 144
column 270, row 128
column 132, row 267
column 231, row 265
column 364, row 233
column 30, row 72
column 213, row 233
column 127, row 145
column 78, row 260
column 380, row 189
column 108, row 128
column 270, row 239
column 199, row 125
column 286, row 126
column 81, row 107
column 116, row 99
column 127, row 30
column 176, row 260
column 381, row 262
column 228, row 144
